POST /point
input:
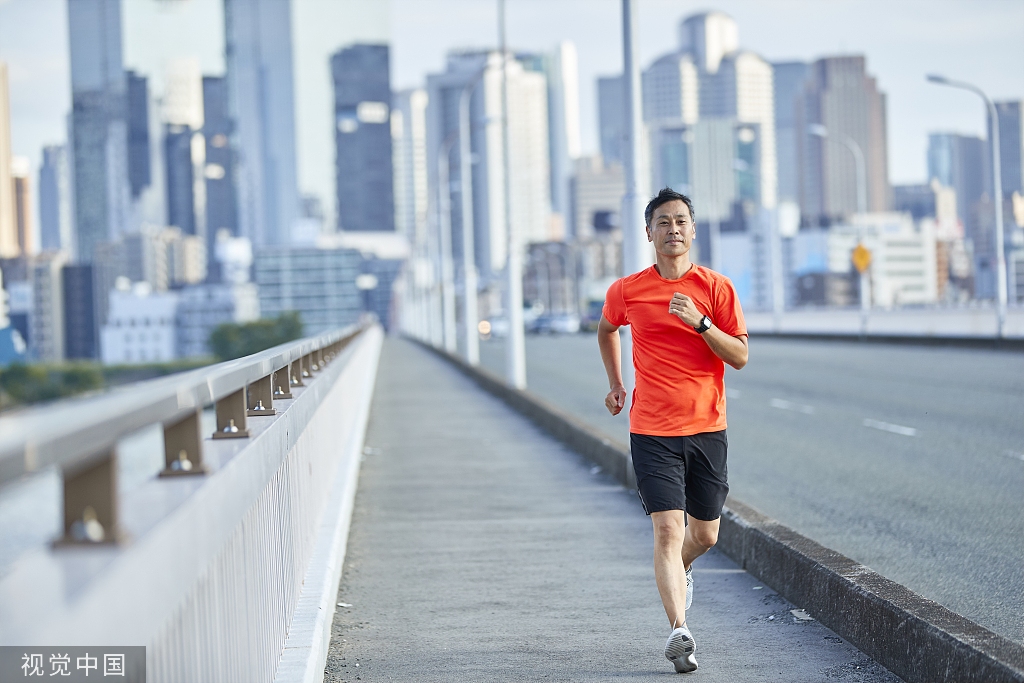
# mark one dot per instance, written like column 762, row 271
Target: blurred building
column 261, row 92
column 917, row 200
column 1011, row 145
column 46, row 323
column 362, row 111
column 671, row 89
column 409, row 153
column 611, row 117
column 319, row 284
column 961, row 162
column 789, row 80
column 80, row 319
column 550, row 278
column 140, row 327
column 201, row 308
column 564, row 136
column 23, row 223
column 219, row 172
column 55, row 215
column 139, row 169
column 529, row 171
column 903, row 267
column 842, row 98
column 596, row 195
column 8, row 225
column 99, row 131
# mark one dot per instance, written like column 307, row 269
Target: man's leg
column 676, row 546
column 701, row 536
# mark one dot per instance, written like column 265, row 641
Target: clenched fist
column 683, row 308
column 615, row 399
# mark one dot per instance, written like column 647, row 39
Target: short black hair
column 666, row 195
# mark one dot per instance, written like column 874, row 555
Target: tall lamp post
column 997, row 190
column 821, row 131
column 444, row 224
column 471, row 317
column 516, row 345
column 635, row 252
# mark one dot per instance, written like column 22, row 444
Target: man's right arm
column 611, row 355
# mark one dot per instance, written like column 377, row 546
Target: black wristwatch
column 705, row 325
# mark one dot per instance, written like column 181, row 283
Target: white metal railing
column 203, row 564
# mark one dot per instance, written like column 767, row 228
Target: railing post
column 295, row 372
column 231, row 422
column 90, row 503
column 261, row 397
column 183, row 447
column 281, row 383
column 311, row 359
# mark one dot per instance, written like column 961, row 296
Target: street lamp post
column 997, row 190
column 444, row 225
column 516, row 343
column 469, row 274
column 862, row 207
column 635, row 251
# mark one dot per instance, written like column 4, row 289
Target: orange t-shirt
column 680, row 382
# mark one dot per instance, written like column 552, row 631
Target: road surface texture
column 908, row 459
column 482, row 550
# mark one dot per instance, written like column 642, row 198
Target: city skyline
column 959, row 39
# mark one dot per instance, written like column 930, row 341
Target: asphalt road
column 907, row 459
column 483, row 550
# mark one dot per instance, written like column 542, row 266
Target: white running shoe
column 689, row 588
column 679, row 650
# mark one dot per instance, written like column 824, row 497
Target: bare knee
column 669, row 530
column 705, row 537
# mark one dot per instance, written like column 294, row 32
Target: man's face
column 671, row 229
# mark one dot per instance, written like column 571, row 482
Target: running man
column 687, row 323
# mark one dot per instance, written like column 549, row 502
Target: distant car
column 592, row 316
column 555, row 323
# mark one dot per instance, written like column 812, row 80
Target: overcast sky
column 981, row 41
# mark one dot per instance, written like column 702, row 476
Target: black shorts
column 682, row 473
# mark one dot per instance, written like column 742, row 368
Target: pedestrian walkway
column 482, row 550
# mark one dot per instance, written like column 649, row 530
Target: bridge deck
column 482, row 550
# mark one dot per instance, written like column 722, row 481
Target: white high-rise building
column 671, row 90
column 709, row 37
column 563, row 121
column 409, row 160
column 258, row 37
column 528, row 152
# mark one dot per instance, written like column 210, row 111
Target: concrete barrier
column 918, row 639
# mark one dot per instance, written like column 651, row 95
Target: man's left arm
column 732, row 350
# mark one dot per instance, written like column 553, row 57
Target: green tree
column 25, row 384
column 233, row 340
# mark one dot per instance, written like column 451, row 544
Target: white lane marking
column 733, row 393
column 789, row 405
column 889, row 427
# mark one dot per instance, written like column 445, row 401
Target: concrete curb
column 915, row 638
column 1014, row 344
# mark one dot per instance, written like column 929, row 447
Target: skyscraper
column 139, row 171
column 671, row 88
column 709, row 37
column 611, row 117
column 99, row 130
column 840, row 96
column 529, row 177
column 409, row 151
column 563, row 121
column 789, row 78
column 961, row 162
column 8, row 228
column 55, row 230
column 1011, row 145
column 20, row 171
column 363, row 165
column 258, row 39
column 221, row 200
